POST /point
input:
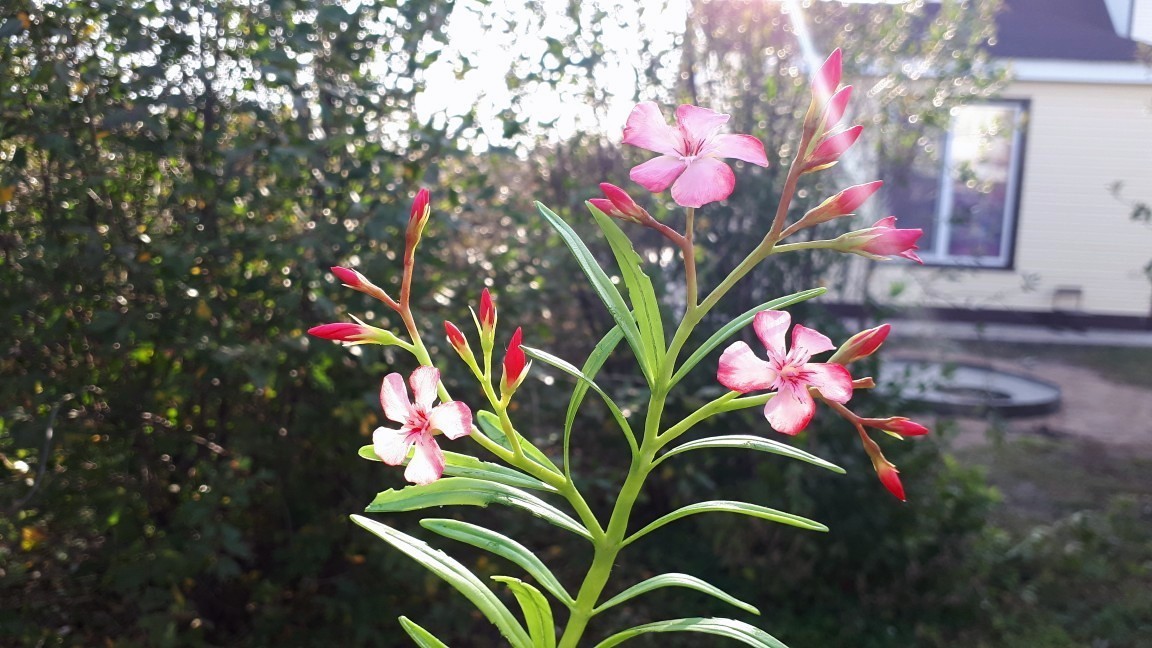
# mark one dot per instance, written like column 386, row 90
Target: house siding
column 1072, row 234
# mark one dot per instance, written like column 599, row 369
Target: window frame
column 937, row 255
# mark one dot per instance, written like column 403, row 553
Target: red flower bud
column 898, row 425
column 417, row 219
column 350, row 277
column 618, row 204
column 890, row 477
column 455, row 337
column 842, row 204
column 487, row 313
column 514, row 364
column 861, row 345
column 342, row 332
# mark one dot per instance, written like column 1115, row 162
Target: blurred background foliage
column 179, row 459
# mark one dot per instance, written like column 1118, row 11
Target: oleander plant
column 496, row 458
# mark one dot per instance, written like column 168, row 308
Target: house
column 1023, row 220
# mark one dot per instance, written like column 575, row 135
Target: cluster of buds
column 515, row 365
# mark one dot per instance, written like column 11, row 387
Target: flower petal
column 704, row 180
column 647, row 129
column 809, row 342
column 391, row 445
column 740, row 370
column 657, row 174
column 394, row 398
column 832, row 380
column 741, row 147
column 698, row 124
column 791, row 409
column 424, row 381
column 453, row 418
column 427, row 463
column 770, row 327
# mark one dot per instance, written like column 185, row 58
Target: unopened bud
column 861, row 345
column 842, row 204
column 515, row 365
column 828, row 151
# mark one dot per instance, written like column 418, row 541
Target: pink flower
column 882, row 241
column 861, row 345
column 419, row 423
column 788, row 372
column 690, row 153
column 618, row 204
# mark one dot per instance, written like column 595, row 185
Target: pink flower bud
column 827, row 78
column 898, row 425
column 861, row 345
column 890, row 477
column 514, row 363
column 882, row 241
column 487, row 313
column 340, row 332
column 417, row 220
column 829, row 150
column 618, row 204
column 350, row 277
column 420, row 208
column 455, row 337
column 842, row 204
column 834, row 112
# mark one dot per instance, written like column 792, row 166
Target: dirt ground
column 1094, row 406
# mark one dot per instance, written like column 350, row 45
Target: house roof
column 1072, row 30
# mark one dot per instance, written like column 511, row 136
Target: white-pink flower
column 419, row 422
column 787, row 372
column 690, row 153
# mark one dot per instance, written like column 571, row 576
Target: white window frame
column 937, row 253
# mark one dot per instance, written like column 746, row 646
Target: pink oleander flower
column 787, row 372
column 515, row 364
column 861, row 345
column 842, row 204
column 882, row 241
column 419, row 423
column 690, row 153
column 618, row 204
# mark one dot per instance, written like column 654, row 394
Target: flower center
column 418, row 418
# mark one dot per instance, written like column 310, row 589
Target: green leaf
column 606, row 290
column 422, row 637
column 592, row 365
column 490, row 424
column 730, row 628
column 645, row 307
column 502, row 546
column 464, row 491
column 455, row 574
column 728, row 506
column 462, row 465
column 740, row 322
column 570, row 369
column 752, row 442
column 675, row 580
column 537, row 612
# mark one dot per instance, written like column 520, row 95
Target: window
column 961, row 187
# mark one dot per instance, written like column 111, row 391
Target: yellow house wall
column 1072, row 233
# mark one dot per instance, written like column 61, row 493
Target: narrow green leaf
column 740, row 322
column 645, row 306
column 728, row 506
column 675, row 580
column 730, row 628
column 456, row 575
column 464, row 491
column 502, row 546
column 490, row 424
column 592, row 365
column 570, row 369
column 462, row 465
column 422, row 637
column 537, row 612
column 752, row 442
column 604, row 288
